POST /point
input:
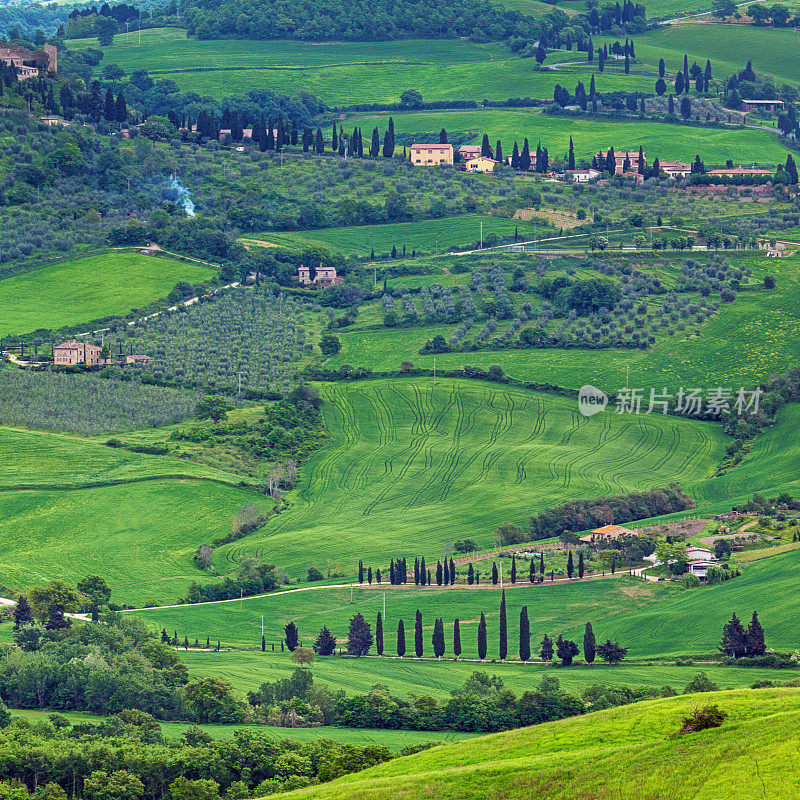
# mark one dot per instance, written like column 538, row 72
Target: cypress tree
column 495, row 576
column 263, row 643
column 428, row 578
column 392, row 580
column 588, row 644
column 110, row 107
column 422, row 571
column 686, row 71
column 671, row 105
column 456, row 638
column 185, row 642
column 378, row 574
column 292, row 637
column 754, row 640
column 404, row 570
column 580, row 564
column 525, row 156
column 438, row 638
column 334, row 139
column 23, row 615
column 401, row 639
column 325, row 644
column 418, row 645
column 387, row 146
column 546, row 649
column 482, row 637
column 121, row 107
column 439, row 573
column 452, row 572
column 570, row 565
column 470, row 574
column 571, row 155
column 734, row 639
column 532, row 572
column 498, row 152
column 515, row 157
column 360, row 144
column 360, row 571
column 513, row 568
column 369, row 575
column 541, row 562
column 416, row 560
column 477, row 577
column 375, row 146
column 442, row 136
column 503, row 628
column 388, row 141
column 640, row 165
column 319, row 142
column 379, row 634
column 486, row 149
column 208, row 643
column 524, row 635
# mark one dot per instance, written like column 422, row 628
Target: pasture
column 411, row 466
column 652, row 619
column 429, row 236
column 668, row 142
column 360, row 72
column 629, row 753
column 84, row 289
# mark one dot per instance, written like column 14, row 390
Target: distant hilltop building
column 325, row 276
column 27, row 63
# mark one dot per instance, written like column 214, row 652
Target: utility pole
column 262, row 626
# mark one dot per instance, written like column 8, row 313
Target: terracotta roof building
column 74, row 352
column 431, row 154
column 607, row 532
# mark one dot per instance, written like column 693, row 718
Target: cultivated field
column 667, row 142
column 769, row 317
column 429, row 236
column 361, row 72
column 629, row 752
column 88, row 288
column 411, row 466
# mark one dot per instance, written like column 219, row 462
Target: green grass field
column 394, row 740
column 724, row 353
column 632, row 752
column 88, row 288
column 652, row 619
column 343, row 74
column 668, row 142
column 427, row 236
column 411, row 466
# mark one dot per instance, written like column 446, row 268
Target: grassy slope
column 629, row 752
column 88, row 288
column 724, row 354
column 651, row 618
column 342, row 73
column 426, row 236
column 140, row 533
column 410, row 467
column 668, row 142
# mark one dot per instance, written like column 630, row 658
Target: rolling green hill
column 411, row 466
column 71, row 292
column 631, row 753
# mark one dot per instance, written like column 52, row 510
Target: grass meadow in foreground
column 652, row 619
column 631, row 752
column 71, row 292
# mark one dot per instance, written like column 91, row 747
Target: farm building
column 703, row 553
column 468, row 151
column 761, row 105
column 607, row 532
column 581, row 175
column 431, row 154
column 481, row 164
column 631, row 156
column 324, row 276
column 700, row 567
column 74, row 352
column 676, row 169
column 734, row 172
column 29, row 63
